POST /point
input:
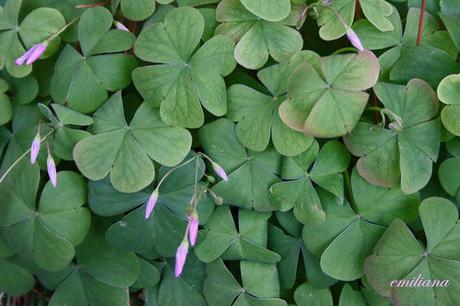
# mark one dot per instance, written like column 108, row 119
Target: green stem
column 63, row 29
column 21, row 157
column 174, row 169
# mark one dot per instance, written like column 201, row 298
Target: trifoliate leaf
column 250, row 174
column 221, row 237
column 45, row 234
column 301, row 172
column 402, row 154
column 328, row 102
column 258, row 113
column 100, row 276
column 183, row 79
column 35, row 28
column 402, row 43
column 222, row 289
column 82, row 80
column 400, row 256
column 257, row 38
column 355, row 230
column 125, row 151
column 66, row 137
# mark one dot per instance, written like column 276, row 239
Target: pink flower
column 35, row 148
column 354, row 39
column 220, row 171
column 151, row 202
column 51, row 167
column 193, row 228
column 33, row 54
column 120, row 26
column 181, row 256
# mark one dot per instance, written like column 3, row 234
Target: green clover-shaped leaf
column 47, row 234
column 66, row 137
column 327, row 101
column 82, row 80
column 402, row 46
column 221, row 238
column 400, row 256
column 125, row 151
column 405, row 152
column 449, row 93
column 258, row 113
column 164, row 230
column 298, row 191
column 250, row 174
column 183, row 79
column 377, row 12
column 290, row 248
column 39, row 25
column 348, row 235
column 260, row 285
column 100, row 276
column 257, row 38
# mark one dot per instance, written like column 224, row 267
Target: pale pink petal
column 181, row 257
column 35, row 148
column 21, row 60
column 120, row 26
column 193, row 229
column 36, row 53
column 151, row 202
column 354, row 39
column 51, row 167
column 220, row 171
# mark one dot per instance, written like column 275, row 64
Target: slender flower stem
column 174, row 169
column 420, row 22
column 53, row 36
column 21, row 157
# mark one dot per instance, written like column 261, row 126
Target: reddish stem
column 420, row 22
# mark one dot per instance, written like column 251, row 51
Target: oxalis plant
column 229, row 152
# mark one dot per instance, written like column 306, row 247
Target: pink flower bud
column 35, row 148
column 354, row 39
column 151, row 202
column 220, row 171
column 193, row 228
column 33, row 54
column 51, row 167
column 181, row 256
column 120, row 26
